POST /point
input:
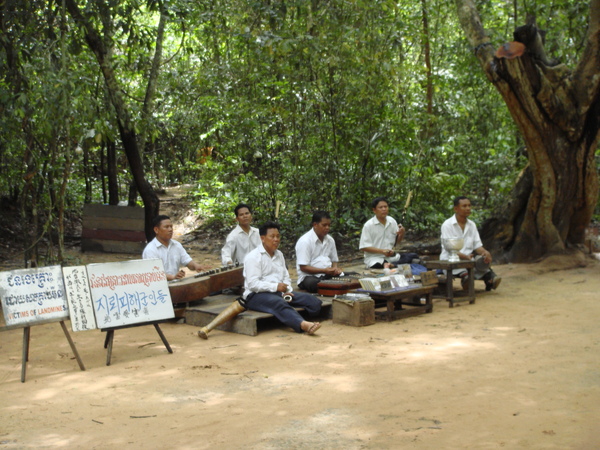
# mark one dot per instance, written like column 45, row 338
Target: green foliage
column 303, row 105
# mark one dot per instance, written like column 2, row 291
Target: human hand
column 332, row 271
column 282, row 287
column 179, row 275
column 400, row 233
column 201, row 267
column 487, row 256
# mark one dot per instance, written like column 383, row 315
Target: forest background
column 290, row 106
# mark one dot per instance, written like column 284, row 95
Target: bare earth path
column 518, row 369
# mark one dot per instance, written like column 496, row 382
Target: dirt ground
column 517, row 369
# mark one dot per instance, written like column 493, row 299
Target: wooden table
column 448, row 266
column 403, row 296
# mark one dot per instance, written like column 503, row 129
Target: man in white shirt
column 379, row 236
column 316, row 254
column 268, row 287
column 461, row 227
column 171, row 252
column 242, row 239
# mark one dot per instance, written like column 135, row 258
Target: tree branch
column 586, row 81
column 475, row 32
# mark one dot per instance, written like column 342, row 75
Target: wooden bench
column 113, row 229
column 448, row 266
column 395, row 299
column 245, row 323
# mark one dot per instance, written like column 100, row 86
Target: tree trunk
column 111, row 172
column 126, row 127
column 558, row 114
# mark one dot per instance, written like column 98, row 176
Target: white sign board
column 79, row 297
column 129, row 292
column 32, row 295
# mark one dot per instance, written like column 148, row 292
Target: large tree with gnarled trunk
column 557, row 110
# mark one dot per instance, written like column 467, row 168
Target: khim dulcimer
column 338, row 285
column 201, row 285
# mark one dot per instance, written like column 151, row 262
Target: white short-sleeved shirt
column 238, row 244
column 374, row 234
column 173, row 257
column 452, row 229
column 311, row 251
column 262, row 273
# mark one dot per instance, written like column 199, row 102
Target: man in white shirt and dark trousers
column 171, row 252
column 268, row 287
column 242, row 239
column 316, row 254
column 461, row 227
column 379, row 236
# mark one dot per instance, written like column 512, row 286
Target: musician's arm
column 383, row 251
column 333, row 270
column 366, row 244
column 228, row 250
column 193, row 265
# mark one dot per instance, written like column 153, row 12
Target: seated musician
column 267, row 281
column 460, row 226
column 172, row 253
column 379, row 236
column 316, row 255
column 242, row 239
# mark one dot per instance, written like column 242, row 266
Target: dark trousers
column 405, row 258
column 273, row 303
column 310, row 283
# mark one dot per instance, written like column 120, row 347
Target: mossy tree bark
column 557, row 110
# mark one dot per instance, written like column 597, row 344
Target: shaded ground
column 517, row 369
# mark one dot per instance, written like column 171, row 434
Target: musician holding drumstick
column 171, row 252
column 379, row 236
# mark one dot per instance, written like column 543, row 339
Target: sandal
column 315, row 326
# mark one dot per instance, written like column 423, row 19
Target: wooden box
column 113, row 229
column 356, row 311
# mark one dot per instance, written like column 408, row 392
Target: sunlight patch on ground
column 443, row 350
column 342, row 383
column 208, row 398
column 331, row 428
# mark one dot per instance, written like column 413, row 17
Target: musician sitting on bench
column 461, row 227
column 379, row 236
column 242, row 239
column 267, row 284
column 316, row 254
column 171, row 252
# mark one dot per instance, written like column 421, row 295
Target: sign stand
column 26, row 338
column 34, row 296
column 110, row 333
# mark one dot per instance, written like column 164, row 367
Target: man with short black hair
column 379, row 236
column 459, row 226
column 171, row 252
column 242, row 239
column 316, row 254
column 268, row 287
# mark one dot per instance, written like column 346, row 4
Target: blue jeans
column 273, row 303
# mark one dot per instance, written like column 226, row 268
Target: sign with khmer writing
column 79, row 297
column 129, row 292
column 33, row 295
